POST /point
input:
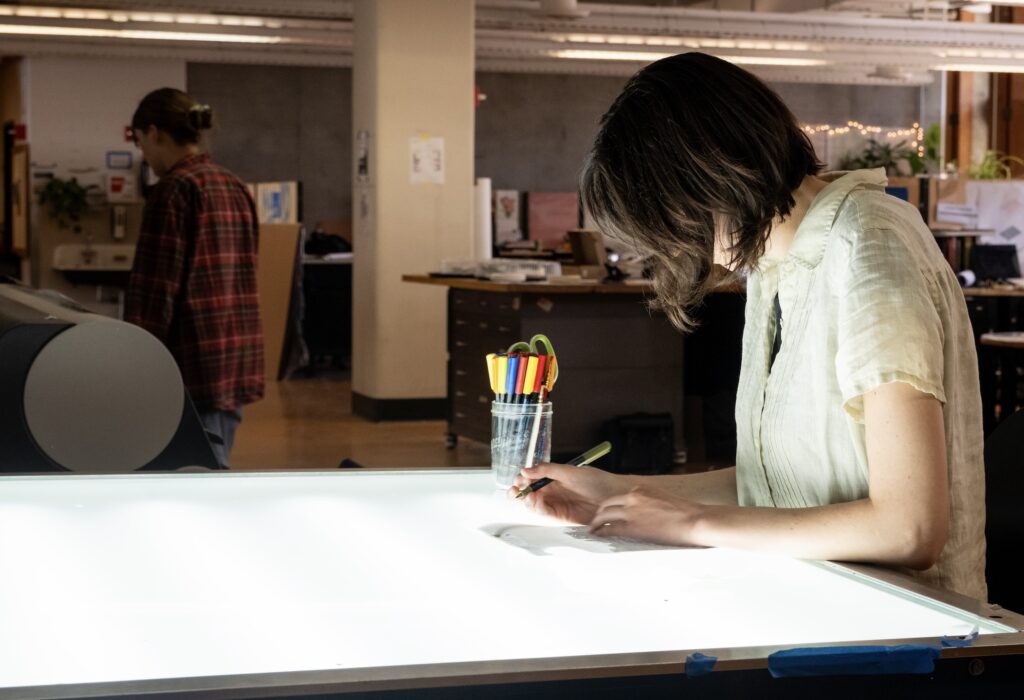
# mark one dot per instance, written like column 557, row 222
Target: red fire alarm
column 20, row 132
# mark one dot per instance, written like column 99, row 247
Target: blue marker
column 510, row 380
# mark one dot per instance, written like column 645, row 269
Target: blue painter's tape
column 961, row 641
column 846, row 661
column 698, row 664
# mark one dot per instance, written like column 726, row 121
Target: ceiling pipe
column 561, row 9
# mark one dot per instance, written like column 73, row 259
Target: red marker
column 538, row 381
column 524, row 358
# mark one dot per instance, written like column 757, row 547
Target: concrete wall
column 76, row 110
column 283, row 123
column 532, row 131
column 869, row 104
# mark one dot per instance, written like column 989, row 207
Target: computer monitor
column 995, row 262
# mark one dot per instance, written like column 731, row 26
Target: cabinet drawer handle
column 460, row 373
column 460, row 343
column 460, row 393
column 504, row 329
column 460, row 322
column 460, row 414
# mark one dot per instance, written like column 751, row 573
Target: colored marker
column 502, row 374
column 538, row 380
column 550, row 375
column 510, row 380
column 524, row 361
column 492, row 371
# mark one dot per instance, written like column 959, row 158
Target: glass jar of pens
column 522, row 379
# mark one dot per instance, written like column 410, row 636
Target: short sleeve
column 889, row 329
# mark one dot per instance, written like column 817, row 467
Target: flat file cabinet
column 615, row 356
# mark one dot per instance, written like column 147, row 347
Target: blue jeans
column 221, row 426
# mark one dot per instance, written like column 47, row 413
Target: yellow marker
column 502, row 373
column 492, row 371
column 531, row 375
column 552, row 372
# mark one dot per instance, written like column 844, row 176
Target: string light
column 915, row 132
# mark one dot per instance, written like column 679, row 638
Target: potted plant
column 892, row 157
column 994, row 166
column 65, row 201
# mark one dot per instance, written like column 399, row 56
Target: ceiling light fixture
column 650, row 56
column 681, row 41
column 981, row 67
column 90, row 33
column 79, row 13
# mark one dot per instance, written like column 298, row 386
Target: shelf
column 963, row 233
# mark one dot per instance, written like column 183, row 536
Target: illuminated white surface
column 164, row 576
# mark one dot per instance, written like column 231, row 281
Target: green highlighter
column 595, row 452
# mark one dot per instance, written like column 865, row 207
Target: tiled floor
column 307, row 423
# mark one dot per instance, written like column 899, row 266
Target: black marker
column 595, row 452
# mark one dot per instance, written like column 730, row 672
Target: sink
column 95, row 263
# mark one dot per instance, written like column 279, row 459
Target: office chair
column 1004, row 521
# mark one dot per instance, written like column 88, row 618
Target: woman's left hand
column 650, row 515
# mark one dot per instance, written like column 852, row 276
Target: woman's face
column 722, row 256
column 151, row 143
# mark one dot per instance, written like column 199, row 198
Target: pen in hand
column 595, row 452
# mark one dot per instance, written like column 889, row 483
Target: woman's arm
column 159, row 266
column 576, row 492
column 904, row 521
column 714, row 488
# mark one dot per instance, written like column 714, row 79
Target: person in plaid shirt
column 193, row 282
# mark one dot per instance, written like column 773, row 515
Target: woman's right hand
column 575, row 492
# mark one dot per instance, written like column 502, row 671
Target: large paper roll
column 483, row 235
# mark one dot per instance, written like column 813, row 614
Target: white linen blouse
column 867, row 299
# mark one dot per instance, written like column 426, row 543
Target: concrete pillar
column 413, row 73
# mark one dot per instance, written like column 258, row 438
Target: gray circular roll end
column 103, row 397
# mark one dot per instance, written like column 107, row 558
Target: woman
column 193, row 283
column 858, row 410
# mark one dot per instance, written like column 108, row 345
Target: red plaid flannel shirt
column 193, row 284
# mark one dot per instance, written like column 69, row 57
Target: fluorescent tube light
column 83, row 13
column 598, row 55
column 85, row 32
column 775, row 61
column 649, row 56
column 981, row 67
column 691, row 42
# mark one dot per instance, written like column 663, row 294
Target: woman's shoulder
column 869, row 215
column 214, row 173
column 172, row 186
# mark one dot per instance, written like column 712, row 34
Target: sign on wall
column 426, row 160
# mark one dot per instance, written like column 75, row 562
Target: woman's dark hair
column 694, row 147
column 175, row 113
